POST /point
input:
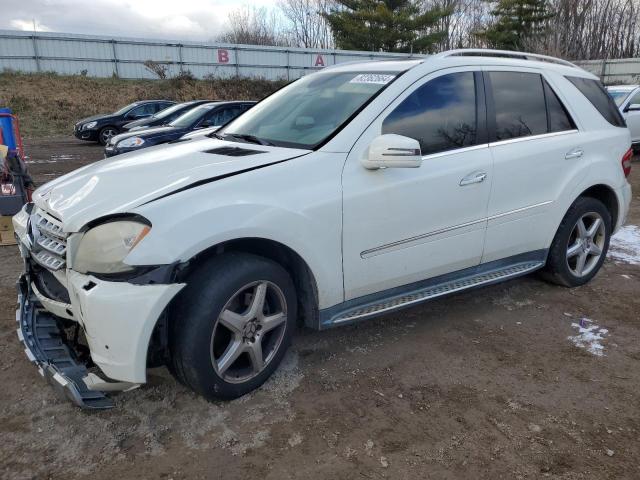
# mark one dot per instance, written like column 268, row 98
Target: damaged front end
column 61, row 358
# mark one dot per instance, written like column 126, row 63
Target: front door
column 402, row 225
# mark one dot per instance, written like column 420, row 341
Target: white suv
column 355, row 191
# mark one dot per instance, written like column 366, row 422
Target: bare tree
column 308, row 27
column 254, row 26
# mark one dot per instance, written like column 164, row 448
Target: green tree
column 517, row 23
column 389, row 25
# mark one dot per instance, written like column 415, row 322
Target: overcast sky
column 170, row 19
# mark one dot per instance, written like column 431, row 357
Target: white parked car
column 627, row 97
column 355, row 191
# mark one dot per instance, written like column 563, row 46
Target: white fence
column 70, row 54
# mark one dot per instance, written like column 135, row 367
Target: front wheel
column 105, row 134
column 232, row 325
column 581, row 243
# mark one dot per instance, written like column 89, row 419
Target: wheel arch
column 608, row 197
column 301, row 274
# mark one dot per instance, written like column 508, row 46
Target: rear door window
column 599, row 98
column 440, row 114
column 519, row 104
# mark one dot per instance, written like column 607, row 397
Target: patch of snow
column 589, row 337
column 625, row 245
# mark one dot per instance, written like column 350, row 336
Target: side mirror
column 634, row 107
column 393, row 151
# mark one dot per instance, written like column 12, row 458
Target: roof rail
column 486, row 52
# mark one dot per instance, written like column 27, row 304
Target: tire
column 570, row 244
column 217, row 319
column 106, row 133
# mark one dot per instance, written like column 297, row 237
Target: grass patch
column 48, row 104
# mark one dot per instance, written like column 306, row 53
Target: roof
column 464, row 57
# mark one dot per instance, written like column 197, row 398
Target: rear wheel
column 580, row 245
column 232, row 325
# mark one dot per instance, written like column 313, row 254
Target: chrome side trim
column 532, row 137
column 518, row 210
column 455, row 152
column 373, row 251
column 377, row 250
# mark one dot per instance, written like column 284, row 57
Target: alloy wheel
column 248, row 331
column 106, row 134
column 586, row 244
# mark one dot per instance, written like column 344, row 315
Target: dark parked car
column 100, row 128
column 203, row 116
column 163, row 117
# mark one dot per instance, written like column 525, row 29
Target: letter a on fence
column 319, row 61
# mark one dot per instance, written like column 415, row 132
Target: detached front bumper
column 45, row 346
column 117, row 318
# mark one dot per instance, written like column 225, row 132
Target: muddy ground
column 484, row 384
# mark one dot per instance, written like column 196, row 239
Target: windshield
column 125, row 109
column 308, row 111
column 191, row 116
column 167, row 112
column 619, row 96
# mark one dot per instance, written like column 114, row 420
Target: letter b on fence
column 223, row 55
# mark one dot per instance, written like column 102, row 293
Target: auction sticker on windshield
column 379, row 78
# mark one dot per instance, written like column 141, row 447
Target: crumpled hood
column 119, row 184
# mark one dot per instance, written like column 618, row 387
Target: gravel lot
column 519, row 380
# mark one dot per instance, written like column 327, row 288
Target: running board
column 415, row 296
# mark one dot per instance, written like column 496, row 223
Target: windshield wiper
column 249, row 138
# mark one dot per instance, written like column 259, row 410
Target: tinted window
column 519, row 104
column 190, row 117
column 559, row 118
column 142, row 111
column 597, row 95
column 222, row 116
column 441, row 114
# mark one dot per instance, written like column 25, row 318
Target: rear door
column 537, row 149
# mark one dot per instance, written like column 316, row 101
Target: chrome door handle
column 475, row 177
column 575, row 153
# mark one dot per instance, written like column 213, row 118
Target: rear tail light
column 626, row 162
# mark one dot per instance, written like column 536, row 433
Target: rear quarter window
column 599, row 98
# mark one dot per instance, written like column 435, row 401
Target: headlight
column 89, row 125
column 131, row 142
column 104, row 248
